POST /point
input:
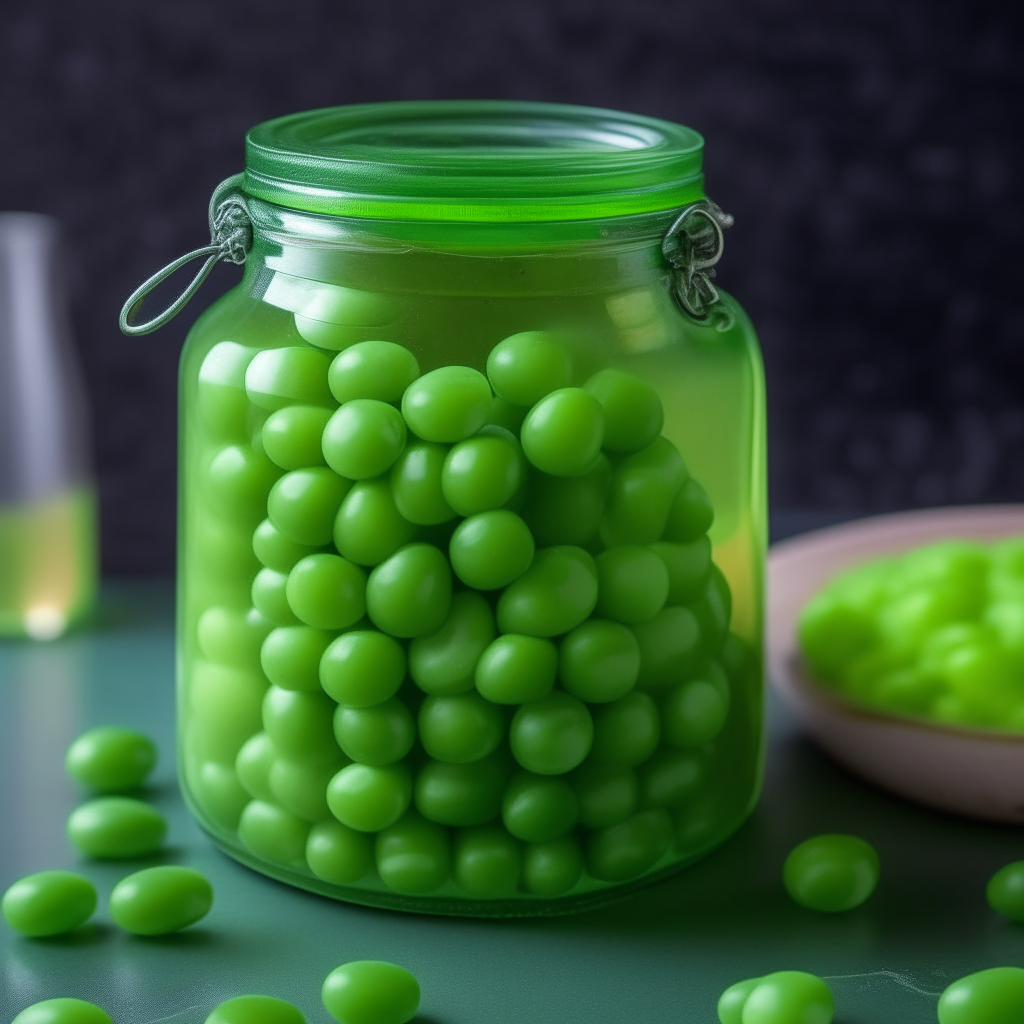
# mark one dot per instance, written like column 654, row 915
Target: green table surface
column 660, row 956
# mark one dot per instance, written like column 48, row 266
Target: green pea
column 629, row 849
column 416, row 485
column 238, row 482
column 633, row 414
column 303, row 503
column 713, row 611
column 255, row 1010
column 337, row 853
column 790, row 997
column 627, row 730
column 63, row 1011
column 461, row 794
column 413, row 856
column 253, row 765
column 632, row 584
column 302, row 788
column 831, row 873
column 539, row 808
column 568, row 510
column 274, row 834
column 1005, row 891
column 487, row 862
column 643, row 488
column 362, row 668
column 327, row 591
column 460, row 728
column 994, row 996
column 299, row 725
column 290, row 657
column 110, row 758
column 445, row 662
column 48, row 903
column 277, row 377
column 223, row 709
column 116, row 828
column 690, row 514
column 553, row 735
column 515, row 669
column 607, row 794
column 599, row 661
column 448, row 404
column 275, row 550
column 368, row 527
column 670, row 647
column 832, row 633
column 270, row 598
column 562, row 433
column 525, row 367
column 732, row 1000
column 331, row 306
column 688, row 567
column 378, row 735
column 410, row 594
column 369, row 798
column 217, row 792
column 371, row 992
column 553, row 596
column 484, row 472
column 671, row 778
column 380, row 370
column 491, row 549
column 221, row 402
column 231, row 636
column 291, row 436
column 363, row 438
column 223, row 552
column 694, row 711
column 158, row 901
column 551, row 869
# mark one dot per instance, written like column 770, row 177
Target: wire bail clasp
column 691, row 247
column 230, row 240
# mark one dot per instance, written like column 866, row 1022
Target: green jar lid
column 473, row 161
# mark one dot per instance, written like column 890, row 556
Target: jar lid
column 473, row 161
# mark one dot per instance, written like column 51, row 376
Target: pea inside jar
column 534, row 651
column 462, row 628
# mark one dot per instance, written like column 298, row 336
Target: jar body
column 667, row 770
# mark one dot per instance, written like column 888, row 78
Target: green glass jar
column 472, row 512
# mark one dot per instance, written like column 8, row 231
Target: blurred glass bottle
column 48, row 563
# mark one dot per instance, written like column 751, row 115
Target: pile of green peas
column 487, row 651
column 937, row 633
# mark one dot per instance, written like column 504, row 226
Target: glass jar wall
column 471, row 555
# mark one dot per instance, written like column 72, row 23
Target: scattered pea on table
column 161, row 900
column 371, row 992
column 831, row 873
column 49, row 903
column 63, row 1011
column 116, row 827
column 1005, row 891
column 255, row 1010
column 784, row 997
column 111, row 759
column 995, row 996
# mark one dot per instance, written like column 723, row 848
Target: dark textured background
column 869, row 151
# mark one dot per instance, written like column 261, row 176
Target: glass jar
column 472, row 512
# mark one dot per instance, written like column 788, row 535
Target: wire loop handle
column 692, row 246
column 230, row 240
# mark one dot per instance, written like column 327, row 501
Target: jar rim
column 481, row 161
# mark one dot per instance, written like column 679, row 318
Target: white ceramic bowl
column 967, row 771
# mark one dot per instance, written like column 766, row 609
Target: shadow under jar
column 472, row 513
